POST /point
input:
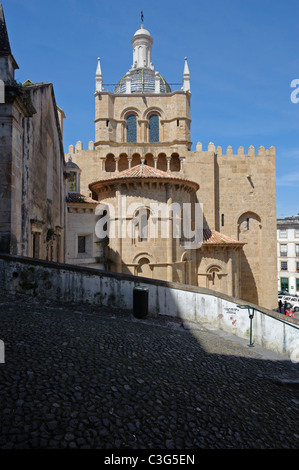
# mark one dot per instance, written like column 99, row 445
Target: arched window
column 123, row 163
column 73, row 182
column 175, row 164
column 162, row 162
column 110, row 165
column 153, row 124
column 215, row 279
column 144, row 226
column 135, row 160
column 142, row 217
column 149, row 160
column 143, row 268
column 131, row 124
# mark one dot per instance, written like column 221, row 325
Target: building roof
column 142, row 32
column 4, row 41
column 77, row 198
column 211, row 237
column 293, row 220
column 144, row 172
column 142, row 81
column 71, row 164
column 142, row 78
column 5, row 49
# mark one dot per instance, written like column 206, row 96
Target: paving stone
column 126, row 384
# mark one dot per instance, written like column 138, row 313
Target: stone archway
column 249, row 232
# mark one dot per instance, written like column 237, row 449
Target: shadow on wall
column 249, row 232
column 249, row 290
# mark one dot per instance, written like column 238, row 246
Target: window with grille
column 284, row 266
column 131, row 124
column 153, row 124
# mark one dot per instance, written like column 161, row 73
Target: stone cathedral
column 142, row 150
column 50, row 201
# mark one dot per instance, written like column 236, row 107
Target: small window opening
column 81, row 244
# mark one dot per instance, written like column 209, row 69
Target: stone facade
column 141, row 151
column 32, row 186
column 237, row 190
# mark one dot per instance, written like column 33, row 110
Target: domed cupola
column 142, row 77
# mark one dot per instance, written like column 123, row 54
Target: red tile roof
column 144, row 171
column 211, row 237
column 80, row 198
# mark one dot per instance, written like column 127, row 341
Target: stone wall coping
column 140, row 280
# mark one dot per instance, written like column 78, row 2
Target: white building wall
column 291, row 240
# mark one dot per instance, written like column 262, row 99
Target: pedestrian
column 285, row 307
column 280, row 305
column 289, row 312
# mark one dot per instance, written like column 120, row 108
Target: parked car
column 288, row 298
column 295, row 306
column 291, row 299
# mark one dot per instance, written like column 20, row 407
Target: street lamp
column 251, row 315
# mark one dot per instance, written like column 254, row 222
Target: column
column 118, row 223
column 168, row 163
column 169, row 241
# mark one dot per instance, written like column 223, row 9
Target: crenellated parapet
column 79, row 147
column 240, row 151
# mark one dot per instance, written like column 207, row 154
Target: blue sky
column 242, row 55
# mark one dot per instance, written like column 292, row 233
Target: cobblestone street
column 81, row 377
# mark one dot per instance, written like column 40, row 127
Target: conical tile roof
column 145, row 172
